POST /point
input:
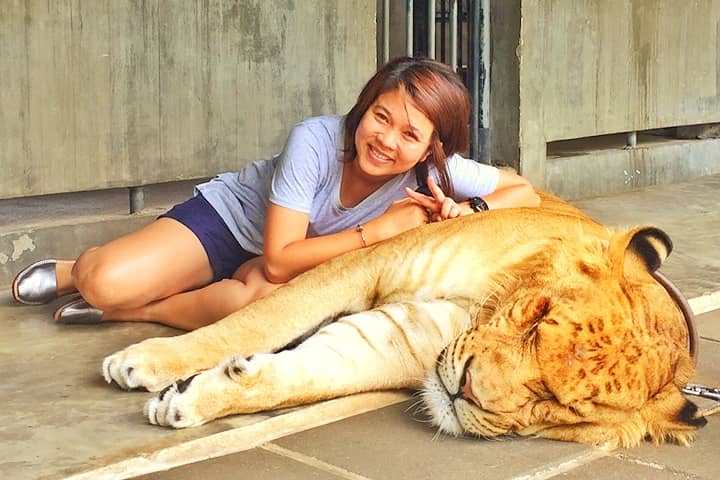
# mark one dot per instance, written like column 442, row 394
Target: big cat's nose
column 465, row 390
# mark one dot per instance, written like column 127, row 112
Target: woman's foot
column 43, row 282
column 78, row 311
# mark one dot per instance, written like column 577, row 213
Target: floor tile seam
column 243, row 438
column 565, row 465
column 312, row 462
column 660, row 467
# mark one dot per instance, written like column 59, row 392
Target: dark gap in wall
column 643, row 138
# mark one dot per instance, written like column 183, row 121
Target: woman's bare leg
column 197, row 308
column 63, row 277
column 159, row 260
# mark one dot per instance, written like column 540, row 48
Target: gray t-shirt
column 306, row 177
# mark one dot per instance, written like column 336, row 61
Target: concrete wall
column 505, row 82
column 565, row 69
column 122, row 93
column 609, row 66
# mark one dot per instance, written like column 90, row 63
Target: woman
column 341, row 183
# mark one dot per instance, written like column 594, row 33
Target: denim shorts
column 224, row 253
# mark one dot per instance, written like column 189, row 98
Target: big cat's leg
column 385, row 348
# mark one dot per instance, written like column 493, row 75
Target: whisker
column 419, row 404
column 426, row 421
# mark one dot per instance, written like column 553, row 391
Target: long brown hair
column 437, row 92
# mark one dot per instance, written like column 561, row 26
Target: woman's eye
column 381, row 117
column 411, row 136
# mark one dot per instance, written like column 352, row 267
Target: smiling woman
column 393, row 136
column 340, row 184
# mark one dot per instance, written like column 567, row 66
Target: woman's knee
column 100, row 280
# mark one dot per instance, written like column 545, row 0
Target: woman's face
column 392, row 137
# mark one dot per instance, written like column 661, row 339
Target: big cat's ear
column 644, row 246
column 652, row 245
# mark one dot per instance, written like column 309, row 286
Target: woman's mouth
column 377, row 156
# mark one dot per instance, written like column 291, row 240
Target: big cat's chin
column 440, row 407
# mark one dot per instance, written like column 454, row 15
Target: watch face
column 478, row 204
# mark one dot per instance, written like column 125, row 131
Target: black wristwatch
column 478, row 204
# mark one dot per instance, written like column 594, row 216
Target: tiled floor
column 394, row 443
column 59, row 418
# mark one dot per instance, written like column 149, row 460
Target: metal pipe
column 431, row 28
column 137, row 199
column 454, row 35
column 409, row 28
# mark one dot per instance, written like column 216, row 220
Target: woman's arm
column 288, row 252
column 512, row 190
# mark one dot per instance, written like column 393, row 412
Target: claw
column 150, row 411
column 106, row 369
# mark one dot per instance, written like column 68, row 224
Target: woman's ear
column 436, row 146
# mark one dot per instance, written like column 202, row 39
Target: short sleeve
column 299, row 170
column 470, row 178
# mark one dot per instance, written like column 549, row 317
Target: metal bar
column 431, row 28
column 443, row 31
column 631, row 141
column 474, row 77
column 137, row 199
column 386, row 31
column 454, row 35
column 485, row 146
column 461, row 20
column 409, row 28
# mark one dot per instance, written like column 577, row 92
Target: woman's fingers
column 449, row 209
column 424, row 200
column 439, row 206
column 435, row 189
column 435, row 202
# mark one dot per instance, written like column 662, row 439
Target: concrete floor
column 60, row 420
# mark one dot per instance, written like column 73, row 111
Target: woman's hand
column 252, row 274
column 440, row 206
column 401, row 216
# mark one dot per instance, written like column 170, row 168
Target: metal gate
column 455, row 32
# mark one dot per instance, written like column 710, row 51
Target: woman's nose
column 388, row 138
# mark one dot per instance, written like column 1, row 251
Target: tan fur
column 523, row 321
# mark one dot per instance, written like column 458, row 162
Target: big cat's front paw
column 214, row 393
column 151, row 365
column 174, row 407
